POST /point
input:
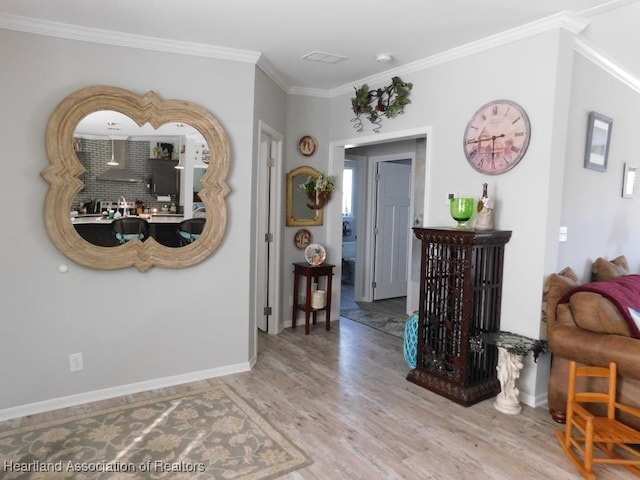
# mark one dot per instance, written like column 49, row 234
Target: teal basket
column 410, row 348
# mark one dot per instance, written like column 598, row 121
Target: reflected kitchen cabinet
column 164, row 177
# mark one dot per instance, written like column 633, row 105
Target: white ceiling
column 285, row 30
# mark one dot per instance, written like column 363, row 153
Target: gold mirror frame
column 64, row 171
column 297, row 199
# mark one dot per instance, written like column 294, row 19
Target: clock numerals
column 497, row 137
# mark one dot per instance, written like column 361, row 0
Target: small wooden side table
column 312, row 273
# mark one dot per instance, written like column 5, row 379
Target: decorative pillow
column 556, row 286
column 595, row 313
column 602, row 269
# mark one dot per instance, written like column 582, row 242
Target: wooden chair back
column 589, row 439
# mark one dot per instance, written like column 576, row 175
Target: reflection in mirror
column 182, row 133
column 298, row 213
column 136, row 171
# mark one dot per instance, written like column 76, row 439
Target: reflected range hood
column 119, row 173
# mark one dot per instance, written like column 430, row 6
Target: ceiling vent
column 323, row 57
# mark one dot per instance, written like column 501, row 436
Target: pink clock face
column 497, row 137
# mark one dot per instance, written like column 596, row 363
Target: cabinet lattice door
column 460, row 298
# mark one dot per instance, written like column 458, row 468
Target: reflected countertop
column 154, row 218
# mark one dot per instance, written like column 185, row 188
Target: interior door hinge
column 271, row 162
column 267, row 311
column 377, row 177
column 374, row 284
column 375, row 231
column 268, row 237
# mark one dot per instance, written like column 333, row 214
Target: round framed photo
column 307, row 146
column 302, row 238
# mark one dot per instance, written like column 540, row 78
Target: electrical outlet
column 75, row 362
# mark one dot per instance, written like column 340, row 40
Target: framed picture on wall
column 598, row 139
column 629, row 180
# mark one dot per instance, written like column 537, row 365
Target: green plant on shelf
column 318, row 184
column 386, row 101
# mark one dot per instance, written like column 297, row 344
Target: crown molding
column 566, row 20
column 310, row 92
column 605, row 7
column 121, row 39
column 272, row 72
column 572, row 22
column 584, row 48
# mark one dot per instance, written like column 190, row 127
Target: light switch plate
column 563, row 234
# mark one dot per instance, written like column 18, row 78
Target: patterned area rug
column 385, row 322
column 205, row 434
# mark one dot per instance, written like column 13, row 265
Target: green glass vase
column 462, row 210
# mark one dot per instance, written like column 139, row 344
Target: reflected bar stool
column 190, row 230
column 311, row 273
column 128, row 228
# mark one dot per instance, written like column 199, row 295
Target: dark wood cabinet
column 164, row 177
column 460, row 298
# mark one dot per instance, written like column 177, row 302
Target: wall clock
column 497, row 137
column 307, row 145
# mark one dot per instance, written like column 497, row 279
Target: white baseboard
column 96, row 395
column 535, row 401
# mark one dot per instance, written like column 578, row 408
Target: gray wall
column 601, row 223
column 198, row 322
column 139, row 329
column 443, row 99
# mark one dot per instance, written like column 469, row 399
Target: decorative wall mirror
column 65, row 177
column 298, row 212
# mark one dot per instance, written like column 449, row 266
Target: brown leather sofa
column 590, row 329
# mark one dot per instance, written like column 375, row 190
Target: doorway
column 377, row 278
column 268, row 243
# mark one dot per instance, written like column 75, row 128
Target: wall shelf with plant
column 318, row 190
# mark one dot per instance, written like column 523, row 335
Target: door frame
column 333, row 210
column 275, row 207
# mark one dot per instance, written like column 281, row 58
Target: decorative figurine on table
column 484, row 219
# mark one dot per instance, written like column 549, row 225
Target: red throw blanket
column 623, row 292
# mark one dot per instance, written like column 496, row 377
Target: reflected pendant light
column 112, row 162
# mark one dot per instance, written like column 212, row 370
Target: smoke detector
column 383, row 57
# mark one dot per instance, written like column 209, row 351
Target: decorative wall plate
column 315, row 254
column 302, row 238
column 307, row 146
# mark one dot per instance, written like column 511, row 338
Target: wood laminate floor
column 342, row 397
column 395, row 307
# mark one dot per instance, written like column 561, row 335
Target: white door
column 267, row 253
column 392, row 229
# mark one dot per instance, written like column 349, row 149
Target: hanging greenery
column 388, row 101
